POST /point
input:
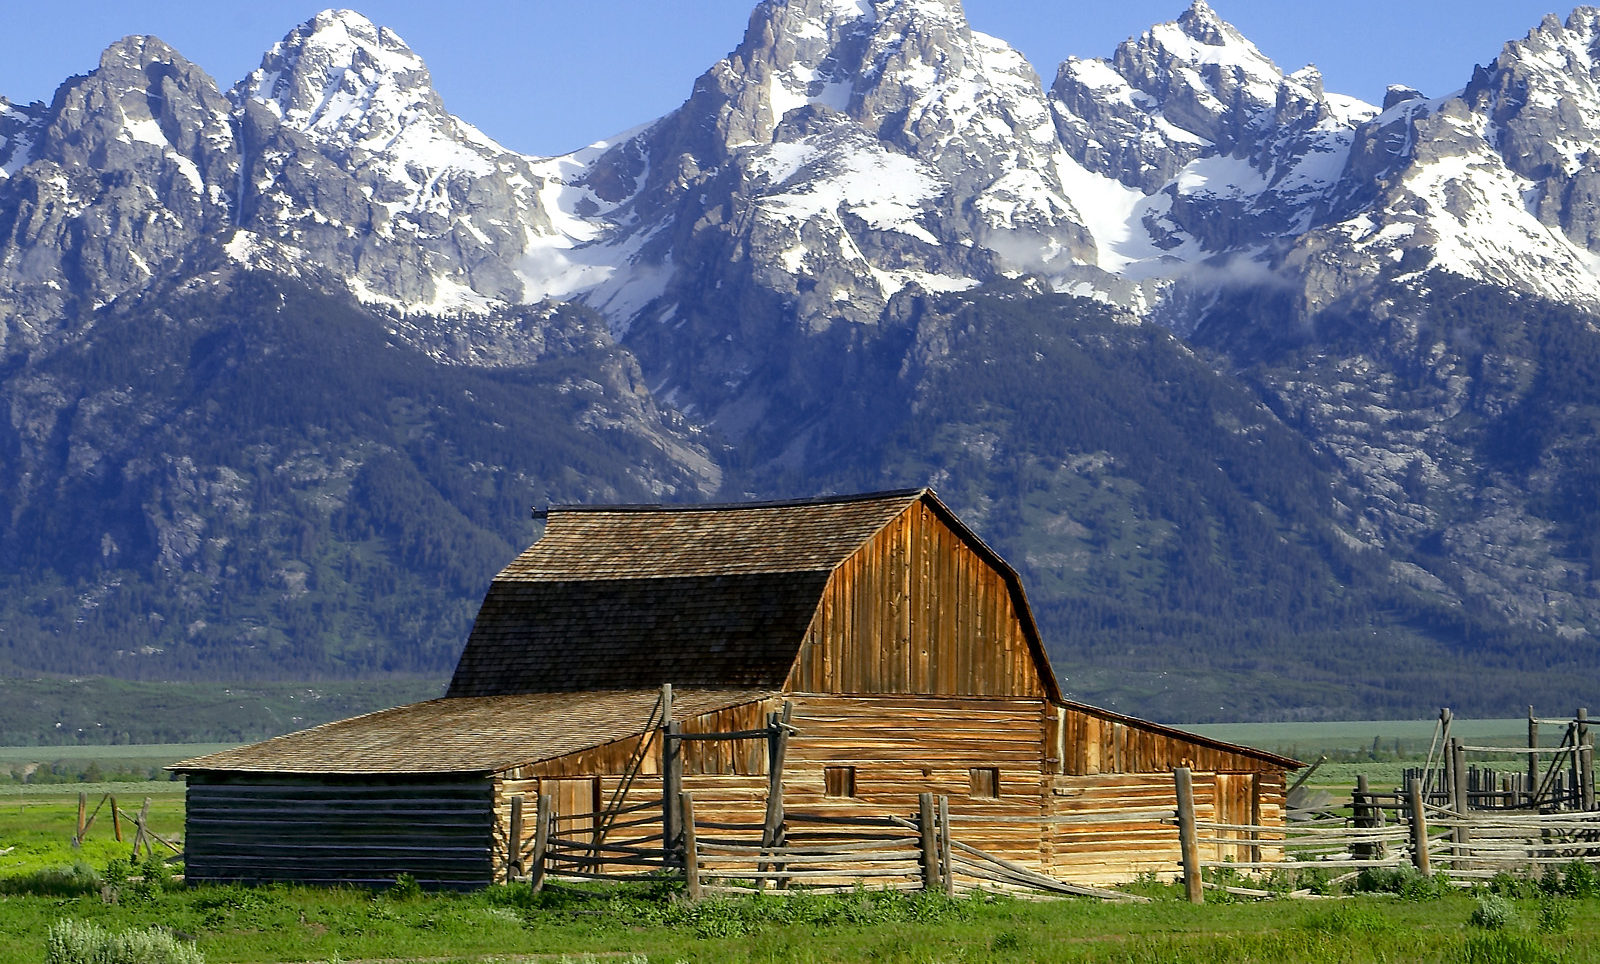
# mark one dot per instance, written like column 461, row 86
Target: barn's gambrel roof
column 693, row 595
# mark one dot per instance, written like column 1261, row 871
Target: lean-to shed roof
column 482, row 734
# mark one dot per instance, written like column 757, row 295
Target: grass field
column 37, row 823
column 510, row 923
column 94, row 710
column 22, row 767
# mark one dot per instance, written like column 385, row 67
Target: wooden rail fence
column 824, row 853
column 1388, row 830
column 144, row 838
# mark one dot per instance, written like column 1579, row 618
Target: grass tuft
column 75, row 942
column 1494, row 913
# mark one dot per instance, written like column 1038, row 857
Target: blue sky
column 548, row 76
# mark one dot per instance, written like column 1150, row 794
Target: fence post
column 83, row 809
column 691, row 851
column 947, row 872
column 542, row 825
column 116, row 822
column 1460, row 802
column 1361, row 815
column 1419, row 828
column 1580, row 736
column 777, row 752
column 671, row 790
column 1533, row 758
column 514, row 844
column 1187, row 842
column 926, row 815
column 1586, row 768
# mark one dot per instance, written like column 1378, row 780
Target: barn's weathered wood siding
column 917, row 610
column 1084, row 740
column 898, row 748
column 258, row 828
column 1109, row 828
column 903, row 746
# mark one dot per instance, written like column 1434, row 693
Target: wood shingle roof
column 660, row 542
column 471, row 735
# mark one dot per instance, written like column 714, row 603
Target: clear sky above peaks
column 549, row 76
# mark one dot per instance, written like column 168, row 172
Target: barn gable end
column 923, row 607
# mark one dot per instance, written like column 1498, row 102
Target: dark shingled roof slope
column 634, row 596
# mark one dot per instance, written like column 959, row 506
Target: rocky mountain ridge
column 763, row 293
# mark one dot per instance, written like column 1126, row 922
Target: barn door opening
column 1238, row 804
column 577, row 802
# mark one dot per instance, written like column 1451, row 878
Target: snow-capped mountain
column 109, row 186
column 854, row 215
column 352, row 164
column 841, row 153
column 1219, row 150
column 1493, row 182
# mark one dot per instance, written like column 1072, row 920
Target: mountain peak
column 138, row 49
column 326, row 73
column 1203, row 24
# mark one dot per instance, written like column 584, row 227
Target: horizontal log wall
column 903, row 746
column 1110, row 828
column 259, row 829
column 916, row 610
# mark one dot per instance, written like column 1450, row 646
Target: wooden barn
column 843, row 656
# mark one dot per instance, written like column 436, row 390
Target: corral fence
column 144, row 838
column 820, row 852
column 1468, row 821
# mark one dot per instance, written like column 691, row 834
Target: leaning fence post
column 542, row 823
column 1187, row 842
column 930, row 841
column 1419, row 828
column 691, row 850
column 139, row 830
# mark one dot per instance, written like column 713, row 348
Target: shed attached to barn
column 899, row 646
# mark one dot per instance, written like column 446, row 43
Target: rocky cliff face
column 110, row 187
